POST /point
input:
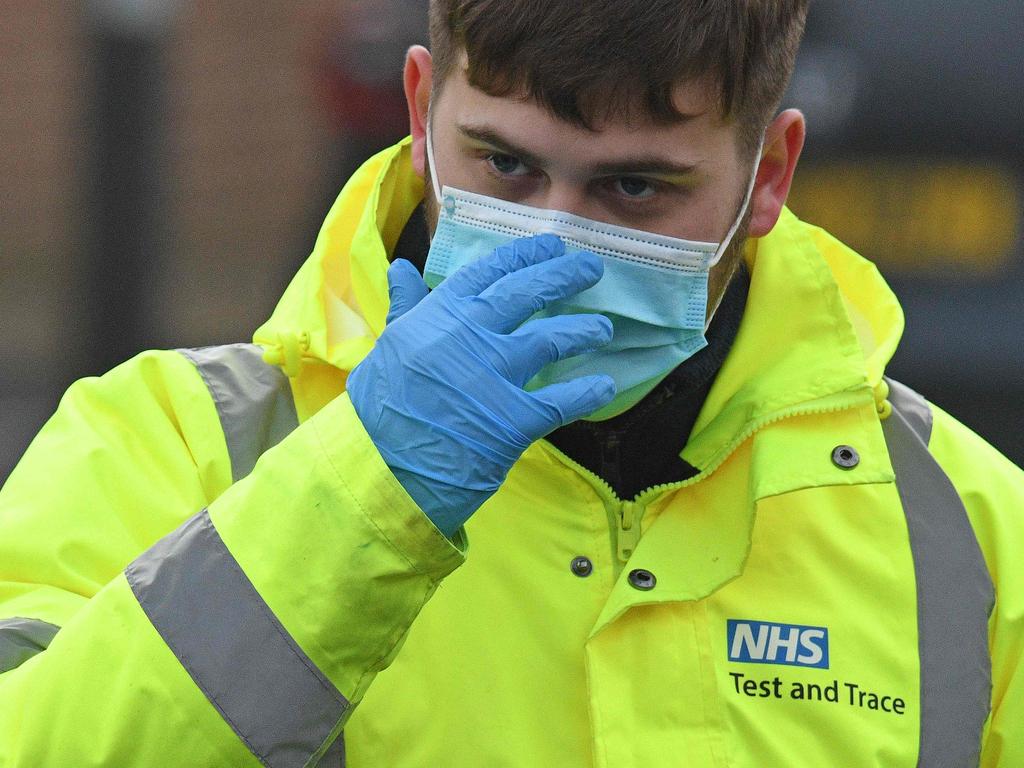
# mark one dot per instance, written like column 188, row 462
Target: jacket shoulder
column 992, row 490
column 991, row 485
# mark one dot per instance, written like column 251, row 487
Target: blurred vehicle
column 914, row 158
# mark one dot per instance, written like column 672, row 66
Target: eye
column 633, row 187
column 507, row 165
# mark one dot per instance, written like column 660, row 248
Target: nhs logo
column 763, row 642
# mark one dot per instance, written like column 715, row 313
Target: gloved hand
column 441, row 394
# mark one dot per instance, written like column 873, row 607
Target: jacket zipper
column 625, row 516
column 628, row 535
column 628, row 512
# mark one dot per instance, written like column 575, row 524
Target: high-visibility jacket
column 204, row 561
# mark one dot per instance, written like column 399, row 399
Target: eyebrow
column 620, row 167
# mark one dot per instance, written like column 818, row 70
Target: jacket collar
column 338, row 300
column 819, row 328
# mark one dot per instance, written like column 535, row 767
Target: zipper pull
column 629, row 530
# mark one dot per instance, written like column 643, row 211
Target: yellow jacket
column 205, row 562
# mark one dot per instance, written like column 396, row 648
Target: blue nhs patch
column 764, row 642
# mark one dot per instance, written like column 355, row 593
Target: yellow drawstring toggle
column 288, row 352
column 882, row 404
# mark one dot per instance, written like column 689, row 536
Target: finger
column 572, row 400
column 550, row 339
column 511, row 300
column 405, row 288
column 517, row 254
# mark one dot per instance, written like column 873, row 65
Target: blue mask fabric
column 654, row 289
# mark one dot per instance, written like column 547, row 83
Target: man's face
column 685, row 180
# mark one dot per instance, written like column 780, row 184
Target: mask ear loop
column 743, row 208
column 724, row 245
column 431, row 165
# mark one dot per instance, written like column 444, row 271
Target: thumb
column 405, row 288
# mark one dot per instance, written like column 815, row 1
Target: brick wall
column 246, row 145
column 249, row 144
column 40, row 120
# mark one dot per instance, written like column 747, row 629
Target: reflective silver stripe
column 253, row 399
column 954, row 591
column 21, row 639
column 227, row 638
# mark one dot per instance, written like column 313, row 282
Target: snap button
column 845, row 456
column 642, row 579
column 581, row 566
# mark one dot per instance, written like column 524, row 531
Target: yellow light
column 943, row 218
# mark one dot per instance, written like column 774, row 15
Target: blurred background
column 165, row 166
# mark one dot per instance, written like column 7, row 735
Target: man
column 754, row 551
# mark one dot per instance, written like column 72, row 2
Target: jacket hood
column 334, row 308
column 820, row 321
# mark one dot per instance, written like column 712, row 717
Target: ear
column 783, row 143
column 418, row 78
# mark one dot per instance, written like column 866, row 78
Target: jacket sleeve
column 992, row 489
column 154, row 613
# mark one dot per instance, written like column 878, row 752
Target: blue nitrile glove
column 441, row 394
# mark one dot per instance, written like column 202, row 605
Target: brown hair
column 586, row 60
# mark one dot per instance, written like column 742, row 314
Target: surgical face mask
column 654, row 288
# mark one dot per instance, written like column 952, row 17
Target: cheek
column 722, row 209
column 704, row 217
column 460, row 170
